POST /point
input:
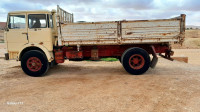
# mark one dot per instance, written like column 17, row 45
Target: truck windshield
column 37, row 20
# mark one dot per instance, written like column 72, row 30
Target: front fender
column 49, row 54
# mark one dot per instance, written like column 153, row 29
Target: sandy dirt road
column 103, row 87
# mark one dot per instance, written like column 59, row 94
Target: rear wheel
column 136, row 61
column 34, row 63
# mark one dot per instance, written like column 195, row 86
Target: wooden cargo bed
column 123, row 32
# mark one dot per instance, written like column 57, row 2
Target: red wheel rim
column 34, row 64
column 136, row 61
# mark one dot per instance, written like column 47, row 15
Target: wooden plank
column 182, row 59
column 83, row 33
column 150, row 29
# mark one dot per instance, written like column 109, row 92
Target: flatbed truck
column 40, row 39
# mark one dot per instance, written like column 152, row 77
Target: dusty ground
column 105, row 86
column 192, row 40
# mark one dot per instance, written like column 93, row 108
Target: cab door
column 16, row 34
column 39, row 31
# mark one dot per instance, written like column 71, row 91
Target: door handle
column 25, row 34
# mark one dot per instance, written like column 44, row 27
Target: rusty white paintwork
column 64, row 16
column 90, row 33
column 123, row 32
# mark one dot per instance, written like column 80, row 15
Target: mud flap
column 155, row 58
column 154, row 62
column 6, row 56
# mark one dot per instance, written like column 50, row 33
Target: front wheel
column 34, row 63
column 136, row 61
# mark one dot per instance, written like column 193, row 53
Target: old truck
column 40, row 39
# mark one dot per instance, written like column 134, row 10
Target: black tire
column 141, row 64
column 40, row 61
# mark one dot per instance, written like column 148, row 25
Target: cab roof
column 33, row 11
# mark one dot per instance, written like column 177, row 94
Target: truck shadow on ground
column 86, row 70
column 110, row 70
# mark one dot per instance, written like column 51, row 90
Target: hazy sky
column 108, row 10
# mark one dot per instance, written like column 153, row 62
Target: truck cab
column 32, row 36
column 28, row 30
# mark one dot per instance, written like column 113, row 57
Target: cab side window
column 51, row 21
column 37, row 21
column 17, row 22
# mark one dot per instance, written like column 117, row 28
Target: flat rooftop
column 31, row 11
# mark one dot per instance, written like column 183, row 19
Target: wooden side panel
column 90, row 33
column 150, row 31
column 124, row 32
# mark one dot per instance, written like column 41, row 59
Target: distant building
column 2, row 25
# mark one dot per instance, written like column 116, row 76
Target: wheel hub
column 136, row 61
column 34, row 64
